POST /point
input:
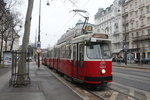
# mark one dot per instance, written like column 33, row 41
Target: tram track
column 103, row 95
column 106, row 93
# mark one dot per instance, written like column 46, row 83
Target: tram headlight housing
column 103, row 71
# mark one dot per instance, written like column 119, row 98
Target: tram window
column 62, row 52
column 81, row 51
column 68, row 52
column 99, row 51
column 106, row 51
column 58, row 53
column 81, row 54
column 55, row 53
column 94, row 53
column 74, row 53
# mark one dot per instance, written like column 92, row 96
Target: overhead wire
column 72, row 17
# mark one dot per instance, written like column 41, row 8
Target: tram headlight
column 103, row 71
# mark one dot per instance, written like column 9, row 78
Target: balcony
column 141, row 5
column 131, row 10
column 141, row 38
column 116, row 32
column 125, row 14
column 142, row 16
column 131, row 20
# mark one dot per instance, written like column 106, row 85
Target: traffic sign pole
column 38, row 52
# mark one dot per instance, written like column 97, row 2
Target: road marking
column 147, row 96
column 132, row 90
column 114, row 96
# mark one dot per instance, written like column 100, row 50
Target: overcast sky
column 57, row 18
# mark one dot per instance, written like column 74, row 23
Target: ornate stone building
column 109, row 21
column 136, row 28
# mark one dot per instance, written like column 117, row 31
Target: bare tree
column 6, row 23
column 14, row 36
column 25, row 42
column 12, row 32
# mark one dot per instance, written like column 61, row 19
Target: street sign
column 125, row 48
column 38, row 44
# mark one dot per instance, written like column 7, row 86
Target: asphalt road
column 139, row 79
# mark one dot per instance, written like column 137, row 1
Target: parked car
column 29, row 59
column 145, row 60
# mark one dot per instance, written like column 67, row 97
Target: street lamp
column 48, row 3
column 39, row 41
column 39, row 31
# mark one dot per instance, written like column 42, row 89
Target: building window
column 148, row 20
column 131, row 6
column 142, row 32
column 148, row 31
column 141, row 11
column 116, row 25
column 148, row 9
column 137, row 24
column 135, row 4
column 136, row 13
column 132, row 35
column 132, row 25
column 142, row 22
column 131, row 14
column 141, row 1
column 137, row 34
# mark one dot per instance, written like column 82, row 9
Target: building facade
column 109, row 21
column 136, row 28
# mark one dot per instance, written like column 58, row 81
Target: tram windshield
column 98, row 51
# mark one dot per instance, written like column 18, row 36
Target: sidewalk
column 44, row 86
column 131, row 65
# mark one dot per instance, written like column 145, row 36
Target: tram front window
column 98, row 51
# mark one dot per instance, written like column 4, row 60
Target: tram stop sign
column 38, row 50
column 38, row 45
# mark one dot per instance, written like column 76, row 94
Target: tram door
column 78, row 59
column 75, row 60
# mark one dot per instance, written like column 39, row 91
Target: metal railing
column 14, row 69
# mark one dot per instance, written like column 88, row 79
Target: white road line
column 132, row 90
column 114, row 96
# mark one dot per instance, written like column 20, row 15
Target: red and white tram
column 85, row 58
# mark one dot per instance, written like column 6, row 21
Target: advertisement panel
column 7, row 58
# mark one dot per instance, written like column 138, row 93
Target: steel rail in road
column 106, row 96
